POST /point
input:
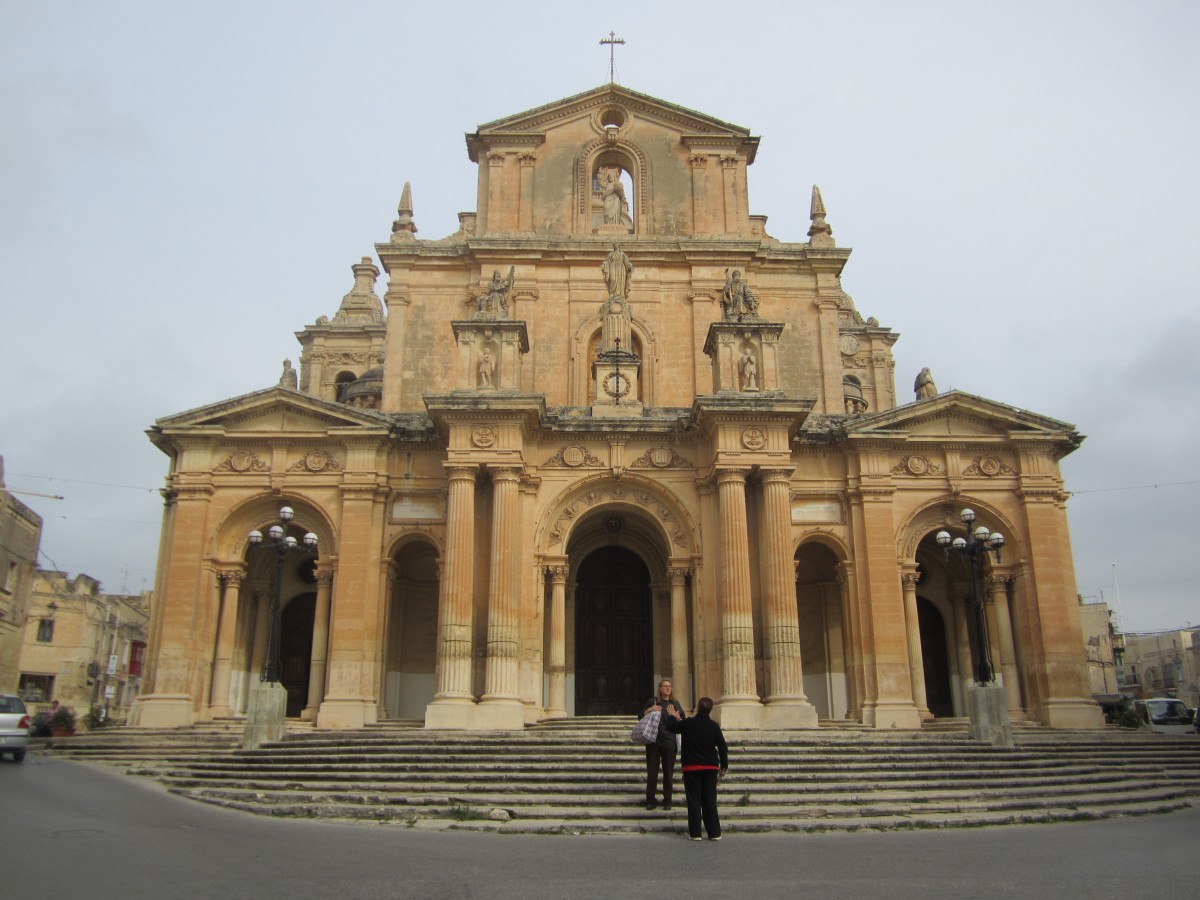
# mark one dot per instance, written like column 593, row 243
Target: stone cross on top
column 612, row 40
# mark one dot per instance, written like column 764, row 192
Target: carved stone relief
column 243, row 461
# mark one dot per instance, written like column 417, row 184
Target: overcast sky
column 185, row 185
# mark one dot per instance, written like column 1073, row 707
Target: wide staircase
column 583, row 775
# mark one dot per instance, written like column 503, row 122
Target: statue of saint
column 616, row 207
column 493, row 304
column 487, row 365
column 737, row 301
column 617, row 270
column 289, row 378
column 924, row 385
column 749, row 367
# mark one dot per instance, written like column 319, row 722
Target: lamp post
column 972, row 548
column 283, row 545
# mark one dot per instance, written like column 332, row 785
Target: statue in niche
column 924, row 386
column 749, row 367
column 616, row 206
column 487, row 367
column 618, row 271
column 737, row 301
column 289, row 378
column 493, row 304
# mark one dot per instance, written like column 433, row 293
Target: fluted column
column 455, row 604
column 916, row 659
column 787, row 705
column 557, row 658
column 681, row 675
column 320, row 644
column 739, row 700
column 231, row 584
column 502, row 663
column 999, row 585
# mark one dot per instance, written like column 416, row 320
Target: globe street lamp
column 973, row 548
column 284, row 545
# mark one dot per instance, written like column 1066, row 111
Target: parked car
column 14, row 726
column 1164, row 715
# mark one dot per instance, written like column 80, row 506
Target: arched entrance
column 614, row 652
column 295, row 650
column 936, row 660
column 410, row 647
column 822, row 632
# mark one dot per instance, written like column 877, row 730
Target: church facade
column 609, row 431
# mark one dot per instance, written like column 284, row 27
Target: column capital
column 910, row 580
column 678, row 574
column 558, row 573
column 232, row 577
column 731, row 476
column 505, row 473
column 777, row 475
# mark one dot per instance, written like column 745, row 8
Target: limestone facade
column 82, row 646
column 20, row 538
column 608, row 431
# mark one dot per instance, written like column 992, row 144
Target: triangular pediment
column 273, row 410
column 546, row 118
column 960, row 416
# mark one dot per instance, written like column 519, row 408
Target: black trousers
column 658, row 755
column 701, row 790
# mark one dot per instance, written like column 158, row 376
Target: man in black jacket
column 705, row 758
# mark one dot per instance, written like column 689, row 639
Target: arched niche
column 586, row 344
column 610, row 151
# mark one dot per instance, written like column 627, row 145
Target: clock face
column 848, row 344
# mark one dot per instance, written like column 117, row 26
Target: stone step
column 584, row 775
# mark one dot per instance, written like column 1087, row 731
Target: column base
column 895, row 715
column 1071, row 712
column 163, row 711
column 346, row 712
column 739, row 714
column 987, row 708
column 266, row 715
column 450, row 715
column 500, row 715
column 789, row 714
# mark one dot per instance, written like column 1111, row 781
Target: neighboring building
column 1099, row 641
column 608, row 431
column 83, row 647
column 1163, row 664
column 20, row 538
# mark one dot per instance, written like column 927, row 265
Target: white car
column 14, row 726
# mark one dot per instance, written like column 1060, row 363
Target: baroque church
column 609, row 431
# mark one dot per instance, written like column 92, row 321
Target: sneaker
column 696, row 838
column 717, row 838
column 666, row 806
column 651, row 805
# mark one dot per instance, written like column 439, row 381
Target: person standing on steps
column 705, row 758
column 662, row 751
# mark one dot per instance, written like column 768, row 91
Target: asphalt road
column 75, row 830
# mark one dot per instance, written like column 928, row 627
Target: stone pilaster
column 320, row 644
column 557, row 657
column 916, row 659
column 681, row 675
column 231, row 584
column 998, row 586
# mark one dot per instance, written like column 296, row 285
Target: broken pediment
column 959, row 416
column 272, row 410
